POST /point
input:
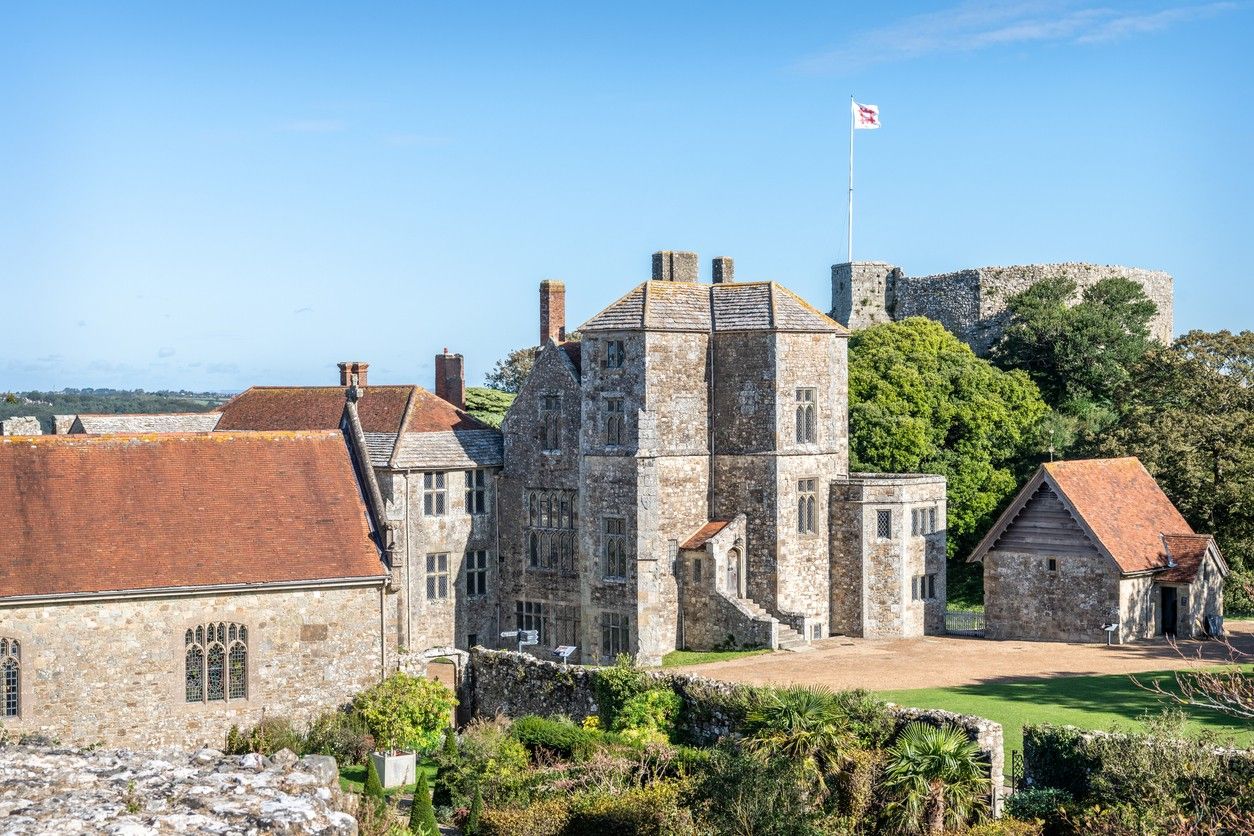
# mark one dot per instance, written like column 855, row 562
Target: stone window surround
column 615, row 419
column 923, row 521
column 608, row 540
column 532, row 615
column 883, row 521
column 615, row 354
column 616, row 636
column 477, row 575
column 477, row 491
column 178, row 686
column 551, row 423
column 434, row 493
column 806, row 423
column 437, row 571
column 807, row 513
column 14, row 652
column 923, row 587
column 228, row 645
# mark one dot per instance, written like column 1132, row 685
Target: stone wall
column 713, row 611
column 52, row 790
column 21, row 425
column 1023, row 599
column 971, row 303
column 516, row 684
column 112, row 672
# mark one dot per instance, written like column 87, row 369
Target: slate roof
column 101, row 513
column 449, row 449
column 705, row 534
column 1116, row 502
column 166, row 422
column 691, row 306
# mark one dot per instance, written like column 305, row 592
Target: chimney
column 723, row 270
column 674, row 266
column 353, row 372
column 450, row 378
column 552, row 311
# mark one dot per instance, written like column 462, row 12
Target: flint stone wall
column 46, row 790
column 21, row 425
column 517, row 684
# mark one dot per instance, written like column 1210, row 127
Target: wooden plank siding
column 1044, row 526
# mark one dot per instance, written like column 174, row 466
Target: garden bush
column 1047, row 805
column 543, row 818
column 745, row 794
column 866, row 717
column 267, row 737
column 341, row 734
column 491, row 759
column 406, row 712
column 648, row 716
column 654, row 810
column 615, row 685
column 1005, row 827
column 556, row 736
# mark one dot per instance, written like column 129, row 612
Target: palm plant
column 805, row 726
column 936, row 778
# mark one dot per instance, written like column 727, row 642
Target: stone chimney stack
column 450, row 378
column 723, row 270
column 674, row 266
column 552, row 311
column 353, row 372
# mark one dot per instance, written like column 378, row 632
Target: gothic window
column 884, row 524
column 11, row 677
column 615, row 635
column 550, row 535
column 805, row 505
column 529, row 615
column 434, row 494
column 551, row 422
column 477, row 572
column 215, row 659
column 437, row 577
column 613, row 422
column 615, row 353
column 807, row 417
column 614, row 546
column 476, row 492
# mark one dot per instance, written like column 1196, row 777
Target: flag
column 866, row 117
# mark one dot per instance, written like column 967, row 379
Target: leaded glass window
column 807, row 417
column 550, row 539
column 215, row 658
column 10, row 677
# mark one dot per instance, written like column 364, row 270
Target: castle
column 972, row 303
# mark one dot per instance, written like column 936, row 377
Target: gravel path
column 942, row 661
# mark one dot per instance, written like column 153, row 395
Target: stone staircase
column 789, row 639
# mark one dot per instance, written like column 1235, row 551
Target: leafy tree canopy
column 510, row 374
column 921, row 401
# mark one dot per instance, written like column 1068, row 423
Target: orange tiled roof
column 429, row 413
column 1123, row 506
column 84, row 513
column 1187, row 552
column 381, row 408
column 705, row 534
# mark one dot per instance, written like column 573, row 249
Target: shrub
column 1006, row 827
column 1239, row 593
column 641, row 811
column 649, row 716
column 543, row 818
column 1047, row 805
column 492, row 760
column 562, row 738
column 742, row 793
column 615, row 685
column 421, row 815
column 936, row 779
column 267, row 737
column 341, row 734
column 406, row 711
column 866, row 717
column 471, row 826
column 373, row 787
column 856, row 783
column 691, row 760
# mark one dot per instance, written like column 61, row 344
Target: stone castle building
column 972, row 303
column 679, row 477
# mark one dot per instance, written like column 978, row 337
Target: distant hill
column 105, row 401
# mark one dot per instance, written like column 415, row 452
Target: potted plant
column 407, row 716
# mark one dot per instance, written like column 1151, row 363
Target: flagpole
column 851, row 178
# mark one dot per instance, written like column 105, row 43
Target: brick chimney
column 450, row 378
column 674, row 266
column 552, row 311
column 353, row 371
column 723, row 270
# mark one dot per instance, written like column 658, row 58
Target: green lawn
column 677, row 658
column 1092, row 702
column 353, row 779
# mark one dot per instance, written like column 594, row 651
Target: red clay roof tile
column 706, row 533
column 381, row 408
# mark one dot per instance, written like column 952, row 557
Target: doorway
column 1170, row 611
column 735, row 573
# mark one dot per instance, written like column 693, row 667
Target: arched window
column 10, row 677
column 216, row 660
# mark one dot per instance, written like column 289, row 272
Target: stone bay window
column 551, row 520
column 215, row 662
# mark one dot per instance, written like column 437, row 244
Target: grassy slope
column 676, row 658
column 1094, row 702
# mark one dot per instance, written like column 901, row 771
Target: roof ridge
column 153, row 436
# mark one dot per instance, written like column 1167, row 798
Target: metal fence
column 964, row 623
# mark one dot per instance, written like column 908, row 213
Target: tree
column 805, row 726
column 406, row 711
column 1187, row 412
column 471, row 827
column 421, row 814
column 510, row 374
column 921, row 401
column 374, row 787
column 936, row 778
column 1078, row 354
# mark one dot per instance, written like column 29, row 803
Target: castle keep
column 972, row 303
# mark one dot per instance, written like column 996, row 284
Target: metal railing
column 964, row 623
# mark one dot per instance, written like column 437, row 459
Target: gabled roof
column 705, row 534
column 90, row 513
column 1117, row 504
column 381, row 408
column 1187, row 552
column 164, row 422
column 691, row 306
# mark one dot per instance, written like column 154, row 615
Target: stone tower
column 863, row 292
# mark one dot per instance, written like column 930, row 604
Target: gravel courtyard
column 943, row 661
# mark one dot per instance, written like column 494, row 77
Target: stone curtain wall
column 516, row 684
column 99, row 791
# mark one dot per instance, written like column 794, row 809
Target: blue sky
column 210, row 196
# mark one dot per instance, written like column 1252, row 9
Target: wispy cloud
column 973, row 26
column 315, row 126
column 165, row 351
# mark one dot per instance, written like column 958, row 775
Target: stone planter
column 395, row 770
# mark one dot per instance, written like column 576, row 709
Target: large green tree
column 1187, row 412
column 921, row 401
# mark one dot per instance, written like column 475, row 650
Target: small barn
column 1090, row 543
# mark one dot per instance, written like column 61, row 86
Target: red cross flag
column 866, row 117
